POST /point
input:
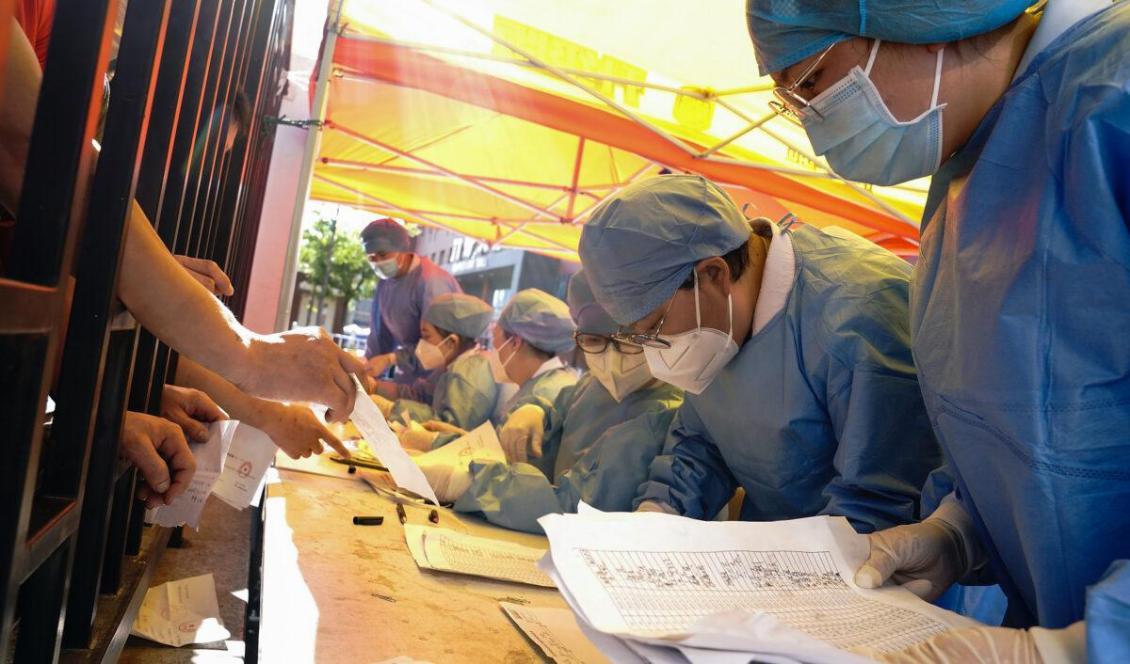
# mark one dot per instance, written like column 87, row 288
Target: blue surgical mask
column 851, row 126
column 386, row 269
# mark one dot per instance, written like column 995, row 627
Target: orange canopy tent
column 462, row 116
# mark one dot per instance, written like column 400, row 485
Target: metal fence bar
column 36, row 529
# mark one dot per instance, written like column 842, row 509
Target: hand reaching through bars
column 190, row 409
column 158, row 449
column 302, row 365
column 208, row 273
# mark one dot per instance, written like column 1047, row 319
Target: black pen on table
column 400, row 513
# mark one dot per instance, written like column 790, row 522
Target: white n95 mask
column 695, row 356
column 851, row 126
column 497, row 366
column 430, row 355
column 619, row 373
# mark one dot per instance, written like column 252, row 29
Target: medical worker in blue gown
column 406, row 285
column 533, row 329
column 793, row 347
column 613, row 423
column 465, row 391
column 1020, row 308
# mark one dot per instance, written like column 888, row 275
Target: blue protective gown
column 820, row 412
column 1021, row 318
column 465, row 394
column 599, row 452
column 398, row 305
column 541, row 390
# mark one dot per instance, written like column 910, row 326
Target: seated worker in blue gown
column 612, row 424
column 533, row 329
column 406, row 285
column 465, row 391
column 793, row 346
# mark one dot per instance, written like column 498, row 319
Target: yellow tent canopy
column 508, row 121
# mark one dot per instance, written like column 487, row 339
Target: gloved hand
column 443, row 427
column 999, row 645
column 925, row 558
column 416, row 437
column 522, row 434
column 449, row 481
column 384, row 405
column 975, row 645
column 656, row 506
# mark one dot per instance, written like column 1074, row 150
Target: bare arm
column 293, row 427
column 164, row 298
column 17, row 114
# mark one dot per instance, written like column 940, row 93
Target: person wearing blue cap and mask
column 612, row 424
column 406, row 285
column 793, row 348
column 533, row 329
column 465, row 392
column 1018, row 308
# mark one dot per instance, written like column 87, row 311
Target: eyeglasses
column 594, row 344
column 651, row 338
column 788, row 104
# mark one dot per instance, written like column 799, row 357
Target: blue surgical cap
column 639, row 246
column 465, row 315
column 589, row 316
column 385, row 235
column 540, row 319
column 785, row 32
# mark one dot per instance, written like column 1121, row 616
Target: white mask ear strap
column 730, row 306
column 697, row 311
column 937, row 78
column 871, row 58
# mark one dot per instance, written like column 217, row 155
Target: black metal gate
column 74, row 558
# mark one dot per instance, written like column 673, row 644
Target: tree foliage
column 350, row 275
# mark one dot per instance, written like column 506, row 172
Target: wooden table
column 336, row 592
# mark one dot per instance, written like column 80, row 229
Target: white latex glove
column 416, row 437
column 998, row 645
column 448, row 481
column 925, row 558
column 656, row 506
column 522, row 434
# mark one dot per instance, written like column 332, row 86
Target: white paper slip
column 449, row 551
column 187, row 507
column 181, row 612
column 778, row 588
column 556, row 633
column 245, row 468
column 479, row 444
column 385, row 445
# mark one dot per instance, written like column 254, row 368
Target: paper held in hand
column 386, row 447
column 479, row 444
column 185, row 510
column 778, row 589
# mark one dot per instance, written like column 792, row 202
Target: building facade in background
column 493, row 275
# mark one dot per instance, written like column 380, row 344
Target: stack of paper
column 449, row 551
column 668, row 588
